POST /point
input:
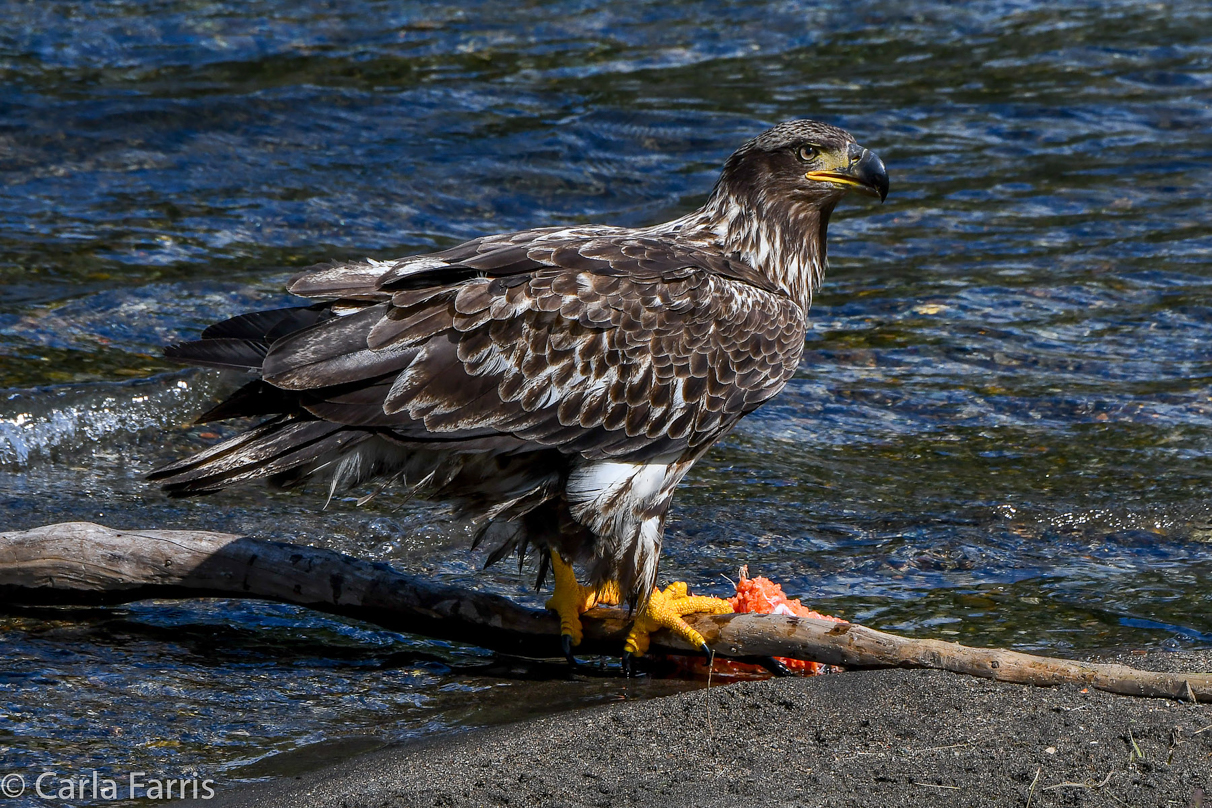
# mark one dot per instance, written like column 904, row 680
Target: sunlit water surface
column 999, row 434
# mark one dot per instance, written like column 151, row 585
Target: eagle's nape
column 553, row 384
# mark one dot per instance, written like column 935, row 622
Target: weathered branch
column 79, row 563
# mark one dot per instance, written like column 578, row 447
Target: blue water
column 999, row 434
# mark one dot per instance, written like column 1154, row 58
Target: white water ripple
column 64, row 421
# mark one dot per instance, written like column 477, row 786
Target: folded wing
column 601, row 344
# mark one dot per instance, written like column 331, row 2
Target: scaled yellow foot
column 665, row 610
column 570, row 599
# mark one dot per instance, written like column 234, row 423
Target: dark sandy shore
column 875, row 738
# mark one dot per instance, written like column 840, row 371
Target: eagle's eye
column 809, row 153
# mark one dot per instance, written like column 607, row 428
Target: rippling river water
column 1000, row 432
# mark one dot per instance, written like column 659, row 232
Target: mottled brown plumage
column 554, row 383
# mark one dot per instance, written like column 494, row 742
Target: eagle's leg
column 570, row 600
column 664, row 610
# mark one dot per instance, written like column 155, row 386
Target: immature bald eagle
column 555, row 384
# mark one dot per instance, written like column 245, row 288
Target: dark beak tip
column 873, row 174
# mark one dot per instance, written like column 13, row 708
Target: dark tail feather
column 242, row 342
column 256, row 398
column 275, row 448
column 267, row 326
column 216, row 451
column 228, row 353
column 287, row 448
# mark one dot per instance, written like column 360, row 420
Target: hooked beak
column 865, row 173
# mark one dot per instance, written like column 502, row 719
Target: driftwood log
column 79, row 563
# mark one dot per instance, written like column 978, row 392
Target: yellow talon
column 665, row 610
column 570, row 599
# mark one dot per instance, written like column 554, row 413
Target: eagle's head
column 804, row 161
column 772, row 203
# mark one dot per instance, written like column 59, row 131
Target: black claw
column 566, row 644
column 627, row 671
column 706, row 649
column 774, row 666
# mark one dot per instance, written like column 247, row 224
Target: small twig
column 1135, row 748
column 937, row 748
column 1205, row 729
column 1094, row 787
column 936, row 785
column 1031, row 791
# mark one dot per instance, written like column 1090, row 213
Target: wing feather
column 598, row 342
